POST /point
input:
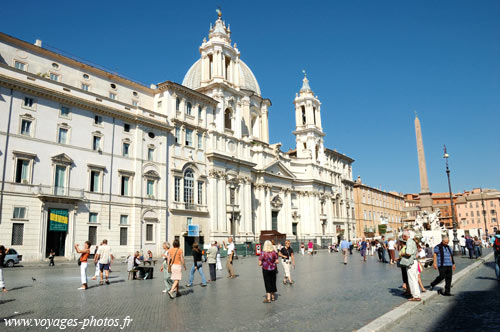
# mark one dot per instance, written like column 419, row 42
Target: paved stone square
column 326, row 295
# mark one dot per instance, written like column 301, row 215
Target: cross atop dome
column 219, row 31
column 305, row 83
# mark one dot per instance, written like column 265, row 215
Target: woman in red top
column 83, row 263
column 268, row 260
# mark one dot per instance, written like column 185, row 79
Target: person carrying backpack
column 495, row 243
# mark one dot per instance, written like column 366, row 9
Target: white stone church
column 87, row 154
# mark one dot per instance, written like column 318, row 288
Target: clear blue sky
column 372, row 63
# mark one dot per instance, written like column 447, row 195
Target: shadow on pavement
column 473, row 310
column 397, row 292
column 17, row 288
column 6, row 301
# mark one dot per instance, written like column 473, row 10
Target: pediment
column 62, row 158
column 278, row 168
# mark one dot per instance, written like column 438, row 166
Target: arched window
column 177, row 103
column 188, row 186
column 227, row 63
column 303, row 115
column 210, row 65
column 188, row 108
column 227, row 119
column 314, row 114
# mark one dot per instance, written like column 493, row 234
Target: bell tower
column 308, row 132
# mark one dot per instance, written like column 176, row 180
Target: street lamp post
column 456, row 248
column 484, row 214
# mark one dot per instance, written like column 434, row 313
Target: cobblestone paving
column 475, row 306
column 326, row 296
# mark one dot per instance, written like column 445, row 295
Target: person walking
column 495, row 244
column 444, row 262
column 175, row 264
column 287, row 260
column 310, row 248
column 391, row 246
column 363, row 247
column 469, row 244
column 3, row 253
column 230, row 256
column 96, row 262
column 302, row 248
column 477, row 247
column 212, row 261
column 52, row 255
column 197, row 266
column 105, row 258
column 408, row 259
column 462, row 244
column 373, row 246
column 383, row 249
column 268, row 260
column 164, row 268
column 83, row 262
column 351, row 246
column 344, row 246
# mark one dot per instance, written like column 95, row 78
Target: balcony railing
column 55, row 191
column 189, row 207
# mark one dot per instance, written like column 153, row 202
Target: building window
column 177, row 135
column 294, row 201
column 29, row 102
column 232, row 196
column 126, row 127
column 62, row 136
column 123, row 219
column 126, row 149
column 95, row 177
column 150, row 185
column 227, row 119
column 60, row 180
column 112, row 95
column 158, row 104
column 123, row 236
column 93, row 234
column 200, row 192
column 189, row 220
column 17, row 234
column 294, row 228
column 22, row 171
column 98, row 120
column 199, row 113
column 303, row 115
column 188, row 186
column 149, row 233
column 65, row 112
column 124, row 191
column 19, row 65
column 25, row 127
column 96, row 143
column 85, row 87
column 189, row 137
column 177, row 104
column 151, row 154
column 93, row 217
column 177, row 189
column 135, row 103
column 200, row 141
column 19, row 213
column 54, row 77
column 188, row 108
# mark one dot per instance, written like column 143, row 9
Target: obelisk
column 425, row 194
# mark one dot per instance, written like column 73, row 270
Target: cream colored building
column 111, row 158
column 375, row 207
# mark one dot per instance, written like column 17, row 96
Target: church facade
column 87, row 154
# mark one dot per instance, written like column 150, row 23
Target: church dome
column 246, row 78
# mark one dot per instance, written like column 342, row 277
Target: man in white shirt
column 230, row 255
column 462, row 244
column 105, row 258
column 391, row 246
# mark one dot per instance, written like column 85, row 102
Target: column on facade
column 222, row 204
column 248, row 210
column 267, row 216
column 287, row 217
column 265, row 124
column 242, row 202
column 259, row 194
column 212, row 203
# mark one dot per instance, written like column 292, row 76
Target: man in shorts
column 105, row 258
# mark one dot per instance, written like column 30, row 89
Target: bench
column 149, row 262
column 131, row 274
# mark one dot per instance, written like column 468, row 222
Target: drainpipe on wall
column 111, row 174
column 6, row 150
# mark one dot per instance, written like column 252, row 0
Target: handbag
column 169, row 268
